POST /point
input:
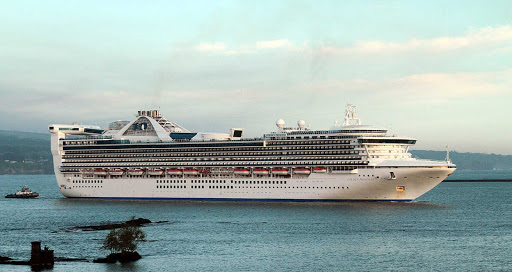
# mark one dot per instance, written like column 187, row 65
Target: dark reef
column 135, row 222
column 124, row 257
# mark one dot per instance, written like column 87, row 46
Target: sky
column 438, row 71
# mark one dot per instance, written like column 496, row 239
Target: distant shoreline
column 478, row 180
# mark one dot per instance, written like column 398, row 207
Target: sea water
column 463, row 226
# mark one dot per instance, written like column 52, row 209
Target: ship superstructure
column 152, row 157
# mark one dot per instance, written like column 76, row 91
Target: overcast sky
column 439, row 71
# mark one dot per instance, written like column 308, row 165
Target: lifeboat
column 304, row 171
column 260, row 171
column 280, row 171
column 242, row 171
column 116, row 172
column 155, row 172
column 204, row 171
column 320, row 170
column 100, row 172
column 135, row 172
column 192, row 172
column 174, row 172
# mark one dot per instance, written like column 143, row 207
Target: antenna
column 448, row 155
column 350, row 116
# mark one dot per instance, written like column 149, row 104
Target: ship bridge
column 386, row 140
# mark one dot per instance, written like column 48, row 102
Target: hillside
column 469, row 161
column 25, row 153
column 29, row 153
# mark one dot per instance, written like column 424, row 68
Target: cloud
column 273, row 44
column 221, row 48
column 211, row 47
column 487, row 36
column 426, row 88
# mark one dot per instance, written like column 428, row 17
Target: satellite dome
column 280, row 123
column 301, row 123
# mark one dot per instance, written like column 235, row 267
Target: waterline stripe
column 251, row 199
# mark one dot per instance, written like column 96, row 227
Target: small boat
column 260, row 171
column 100, row 172
column 192, row 172
column 304, row 171
column 174, row 172
column 320, row 170
column 155, row 172
column 116, row 172
column 23, row 193
column 242, row 171
column 135, row 172
column 280, row 171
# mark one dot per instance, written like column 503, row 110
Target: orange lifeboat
column 174, row 172
column 100, row 172
column 135, row 172
column 192, row 172
column 116, row 172
column 260, row 171
column 320, row 170
column 280, row 171
column 155, row 172
column 242, row 171
column 303, row 171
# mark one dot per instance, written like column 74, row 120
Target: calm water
column 481, row 175
column 456, row 226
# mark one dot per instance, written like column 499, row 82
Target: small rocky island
column 122, row 241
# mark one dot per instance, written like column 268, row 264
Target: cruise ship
column 152, row 157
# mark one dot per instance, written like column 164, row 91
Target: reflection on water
column 342, row 205
column 124, row 267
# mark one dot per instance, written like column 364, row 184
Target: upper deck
column 151, row 132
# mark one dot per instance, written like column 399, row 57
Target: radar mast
column 350, row 116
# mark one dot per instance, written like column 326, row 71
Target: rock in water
column 127, row 257
column 2, row 258
column 138, row 222
column 124, row 257
column 134, row 222
column 105, row 260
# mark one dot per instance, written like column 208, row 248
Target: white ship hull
column 366, row 185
